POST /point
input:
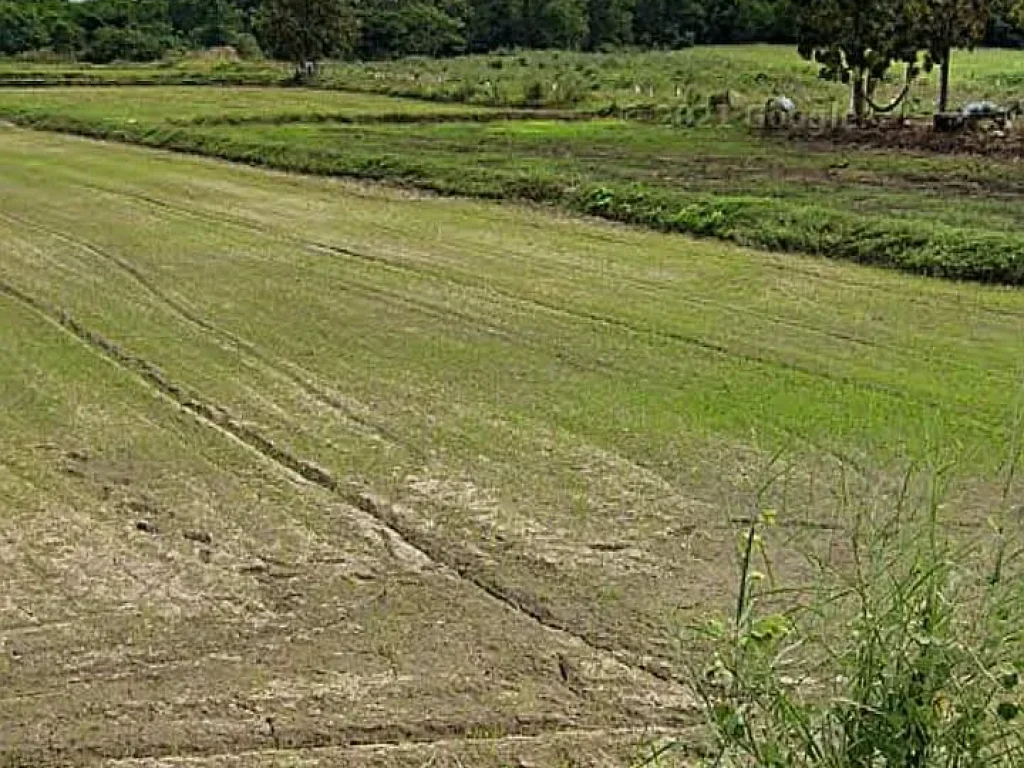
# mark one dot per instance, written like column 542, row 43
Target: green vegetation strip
column 566, row 410
column 650, row 84
column 947, row 217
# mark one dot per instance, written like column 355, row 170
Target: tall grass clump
column 904, row 652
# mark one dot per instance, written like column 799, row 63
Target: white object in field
column 981, row 108
column 782, row 104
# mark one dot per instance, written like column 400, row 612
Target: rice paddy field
column 421, row 432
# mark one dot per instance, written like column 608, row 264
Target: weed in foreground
column 906, row 652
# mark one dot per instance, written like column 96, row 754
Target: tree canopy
column 845, row 36
column 857, row 41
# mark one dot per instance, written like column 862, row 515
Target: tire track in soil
column 423, row 307
column 1000, row 312
column 475, row 735
column 365, row 289
column 434, row 311
column 194, row 319
column 281, row 740
column 689, row 340
column 461, row 566
column 643, row 284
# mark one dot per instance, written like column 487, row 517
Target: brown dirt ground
column 196, row 570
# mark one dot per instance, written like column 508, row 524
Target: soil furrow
column 193, row 318
column 464, row 566
column 689, row 340
column 641, row 735
column 273, row 736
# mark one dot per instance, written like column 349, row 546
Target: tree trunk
column 944, row 81
column 859, row 104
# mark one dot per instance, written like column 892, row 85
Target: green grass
column 661, row 79
column 955, row 217
column 527, row 385
column 909, row 655
column 250, row 590
column 567, row 416
column 120, row 107
column 191, row 70
column 658, row 82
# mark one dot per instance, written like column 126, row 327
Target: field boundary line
column 468, row 738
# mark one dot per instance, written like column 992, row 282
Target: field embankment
column 946, row 216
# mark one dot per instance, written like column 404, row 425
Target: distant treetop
column 140, row 30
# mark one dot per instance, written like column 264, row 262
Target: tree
column 417, row 27
column 496, row 24
column 610, row 22
column 304, row 31
column 126, row 44
column 669, row 23
column 21, row 29
column 856, row 41
column 555, row 23
column 66, row 37
column 207, row 23
column 949, row 24
column 768, row 21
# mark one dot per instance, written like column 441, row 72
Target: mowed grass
column 948, row 216
column 113, row 106
column 568, row 412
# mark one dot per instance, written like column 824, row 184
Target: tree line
column 103, row 30
column 858, row 41
column 853, row 39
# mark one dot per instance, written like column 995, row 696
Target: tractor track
column 692, row 341
column 461, row 566
column 425, row 308
column 182, row 310
column 279, row 738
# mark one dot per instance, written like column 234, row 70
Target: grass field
column 305, row 472
column 149, row 106
column 671, row 80
column 952, row 216
column 753, row 73
column 301, row 470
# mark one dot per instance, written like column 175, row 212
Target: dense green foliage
column 925, row 672
column 856, row 41
column 306, row 30
column 143, row 30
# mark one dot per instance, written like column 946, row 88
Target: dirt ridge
column 381, row 510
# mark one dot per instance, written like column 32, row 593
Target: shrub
column 539, row 189
column 126, row 44
column 247, row 46
column 533, row 93
column 907, row 655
